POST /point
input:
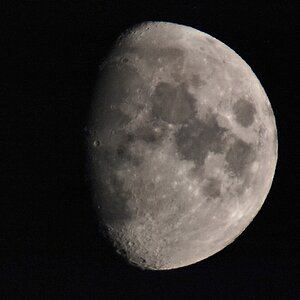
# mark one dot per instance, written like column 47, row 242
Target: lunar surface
column 182, row 145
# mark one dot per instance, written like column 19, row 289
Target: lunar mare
column 182, row 145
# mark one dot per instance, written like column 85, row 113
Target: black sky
column 48, row 236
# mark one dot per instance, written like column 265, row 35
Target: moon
column 182, row 146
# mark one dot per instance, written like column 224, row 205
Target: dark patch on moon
column 122, row 152
column 196, row 82
column 244, row 112
column 172, row 104
column 196, row 138
column 177, row 76
column 150, row 132
column 130, row 137
column 212, row 188
column 124, row 155
column 239, row 157
column 115, row 155
column 149, row 135
column 246, row 182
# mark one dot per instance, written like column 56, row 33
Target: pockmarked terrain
column 182, row 145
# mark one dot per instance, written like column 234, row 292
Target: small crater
column 97, row 143
column 124, row 60
column 143, row 261
column 121, row 252
column 244, row 112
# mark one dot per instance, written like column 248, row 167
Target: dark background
column 50, row 247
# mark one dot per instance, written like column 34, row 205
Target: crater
column 124, row 60
column 196, row 138
column 244, row 112
column 172, row 104
column 97, row 143
column 239, row 157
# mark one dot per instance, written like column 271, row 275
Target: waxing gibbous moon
column 182, row 145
